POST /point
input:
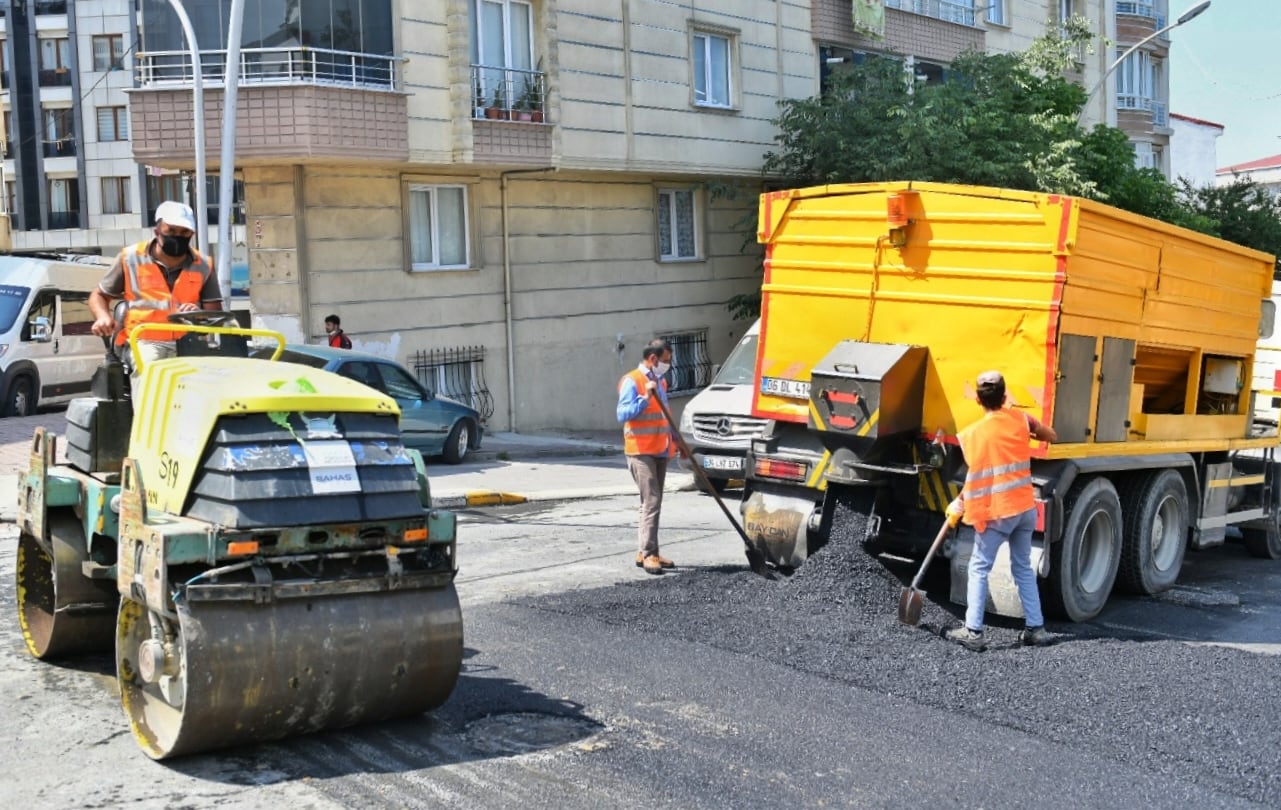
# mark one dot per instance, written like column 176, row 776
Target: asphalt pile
column 1126, row 698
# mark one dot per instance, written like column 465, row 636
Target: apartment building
column 70, row 179
column 515, row 193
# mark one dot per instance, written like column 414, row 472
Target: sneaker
column 1036, row 637
column 967, row 638
column 652, row 564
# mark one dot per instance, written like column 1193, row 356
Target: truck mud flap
column 778, row 526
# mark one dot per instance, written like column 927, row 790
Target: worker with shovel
column 998, row 501
column 648, row 443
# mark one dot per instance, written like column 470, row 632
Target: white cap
column 177, row 214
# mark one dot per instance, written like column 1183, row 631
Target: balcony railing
column 1160, row 117
column 1136, row 9
column 962, row 13
column 63, row 147
column 275, row 66
column 63, row 219
column 508, row 94
column 1159, row 109
column 55, row 77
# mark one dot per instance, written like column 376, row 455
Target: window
column 996, row 12
column 398, row 384
column 712, row 55
column 115, row 195
column 691, row 368
column 458, row 373
column 11, row 200
column 1135, row 82
column 677, row 224
column 8, row 145
column 438, row 235
column 44, row 304
column 957, row 11
column 59, row 132
column 113, row 124
column 55, row 54
column 502, row 45
column 77, row 318
column 108, row 52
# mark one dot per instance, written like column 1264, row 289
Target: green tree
column 1243, row 212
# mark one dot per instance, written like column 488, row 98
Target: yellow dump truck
column 1135, row 339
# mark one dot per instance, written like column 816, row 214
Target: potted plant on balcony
column 498, row 109
column 478, row 100
column 530, row 105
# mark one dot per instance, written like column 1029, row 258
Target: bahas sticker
column 332, row 467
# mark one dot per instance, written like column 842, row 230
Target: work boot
column 969, row 639
column 1036, row 637
column 663, row 561
column 653, row 564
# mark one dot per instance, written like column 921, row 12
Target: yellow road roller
column 250, row 536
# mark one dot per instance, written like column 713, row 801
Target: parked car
column 431, row 424
column 717, row 424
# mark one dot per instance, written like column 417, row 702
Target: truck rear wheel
column 1085, row 560
column 1155, row 509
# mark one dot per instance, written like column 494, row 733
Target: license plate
column 728, row 463
column 780, row 387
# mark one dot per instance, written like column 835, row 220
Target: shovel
column 755, row 560
column 912, row 597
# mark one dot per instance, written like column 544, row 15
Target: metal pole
column 1184, row 17
column 198, row 104
column 227, row 160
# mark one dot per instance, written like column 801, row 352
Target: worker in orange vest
column 648, row 444
column 158, row 276
column 999, row 502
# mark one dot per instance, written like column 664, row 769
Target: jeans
column 1017, row 530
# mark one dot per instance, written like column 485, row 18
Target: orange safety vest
column 648, row 434
column 999, row 481
column 151, row 300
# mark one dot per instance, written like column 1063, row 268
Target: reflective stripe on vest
column 999, row 481
column 150, row 299
column 648, row 434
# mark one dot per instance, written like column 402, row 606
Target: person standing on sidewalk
column 337, row 337
column 998, row 501
column 648, row 444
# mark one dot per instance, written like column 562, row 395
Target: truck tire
column 1155, row 509
column 1263, row 543
column 1085, row 560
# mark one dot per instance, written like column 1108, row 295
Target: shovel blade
column 910, row 602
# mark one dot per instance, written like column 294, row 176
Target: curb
column 493, row 498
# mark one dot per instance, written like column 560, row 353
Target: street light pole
column 227, row 161
column 1184, row 17
column 198, row 115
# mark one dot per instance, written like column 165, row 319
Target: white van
column 717, row 424
column 47, row 352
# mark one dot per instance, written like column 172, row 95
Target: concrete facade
column 563, row 281
column 1193, row 149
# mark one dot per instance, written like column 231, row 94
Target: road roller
column 249, row 536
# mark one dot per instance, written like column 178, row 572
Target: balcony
column 60, row 220
column 63, row 147
column 55, row 77
column 959, row 13
column 293, row 103
column 508, row 94
column 1159, row 109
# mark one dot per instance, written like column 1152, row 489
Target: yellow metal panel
column 991, row 278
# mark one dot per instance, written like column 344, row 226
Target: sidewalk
column 510, row 468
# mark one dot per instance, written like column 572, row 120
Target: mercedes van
column 47, row 352
column 717, row 424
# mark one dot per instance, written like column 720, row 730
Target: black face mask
column 174, row 245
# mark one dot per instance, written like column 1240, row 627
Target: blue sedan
column 433, row 425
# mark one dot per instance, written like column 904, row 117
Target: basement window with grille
column 691, row 369
column 457, row 373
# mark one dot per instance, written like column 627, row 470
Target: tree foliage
column 1005, row 120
